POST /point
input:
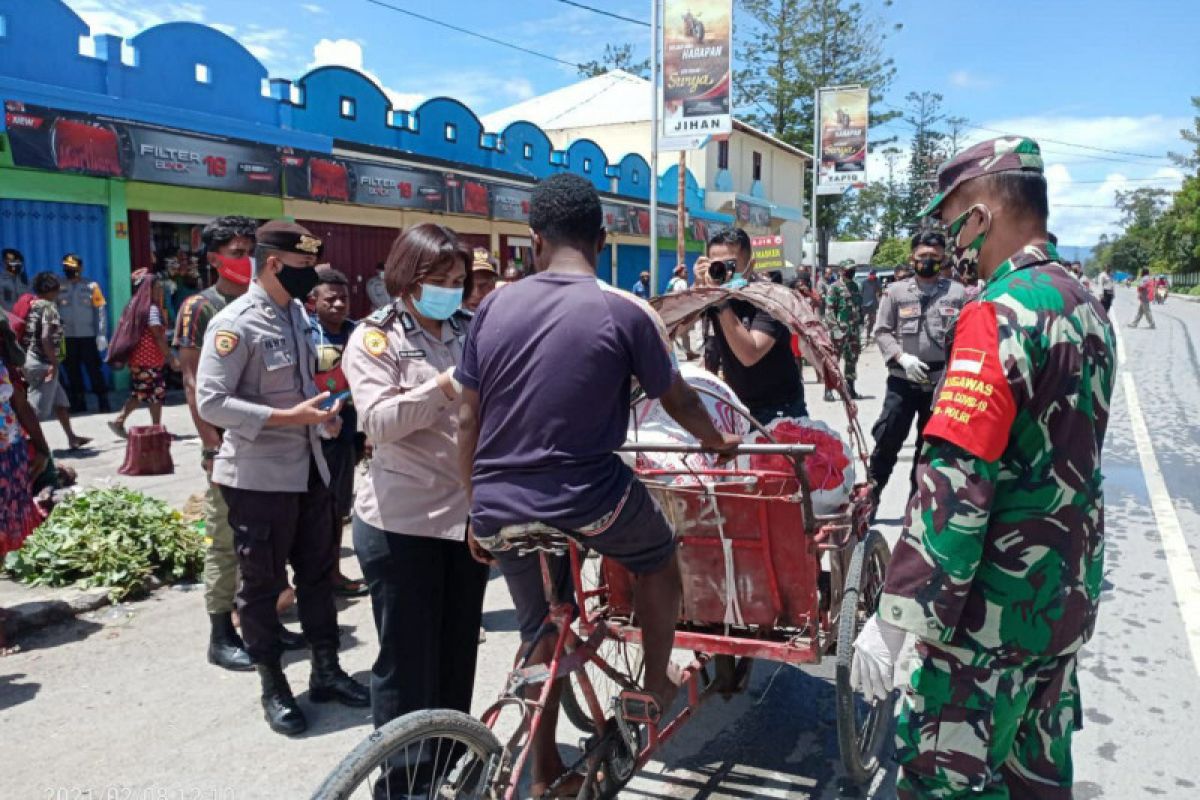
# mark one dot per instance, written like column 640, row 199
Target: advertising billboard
column 843, row 117
column 90, row 144
column 696, row 71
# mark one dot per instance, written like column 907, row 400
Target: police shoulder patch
column 225, row 342
column 381, row 316
column 375, row 341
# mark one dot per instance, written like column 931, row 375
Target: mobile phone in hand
column 329, row 401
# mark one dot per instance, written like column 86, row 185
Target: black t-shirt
column 775, row 379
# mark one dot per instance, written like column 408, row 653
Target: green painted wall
column 205, row 202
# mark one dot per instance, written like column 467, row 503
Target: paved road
column 125, row 699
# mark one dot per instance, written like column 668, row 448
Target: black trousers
column 903, row 401
column 270, row 531
column 82, row 356
column 1106, row 300
column 427, row 599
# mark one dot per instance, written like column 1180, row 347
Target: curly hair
column 223, row 230
column 565, row 209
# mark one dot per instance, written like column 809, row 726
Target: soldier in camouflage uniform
column 843, row 318
column 998, row 570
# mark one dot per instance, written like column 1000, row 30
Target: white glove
column 875, row 650
column 916, row 369
column 101, row 343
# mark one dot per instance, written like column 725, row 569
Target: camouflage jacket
column 1003, row 544
column 843, row 309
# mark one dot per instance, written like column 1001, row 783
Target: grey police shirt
column 916, row 319
column 257, row 356
column 11, row 289
column 81, row 317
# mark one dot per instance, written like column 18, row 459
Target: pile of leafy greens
column 112, row 537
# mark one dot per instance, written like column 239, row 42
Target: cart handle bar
column 742, row 449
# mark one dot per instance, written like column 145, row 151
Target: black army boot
column 330, row 682
column 279, row 706
column 225, row 647
column 290, row 640
column 854, row 395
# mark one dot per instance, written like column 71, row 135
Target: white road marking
column 1182, row 569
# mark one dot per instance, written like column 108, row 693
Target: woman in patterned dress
column 148, row 363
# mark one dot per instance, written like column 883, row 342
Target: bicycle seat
column 529, row 537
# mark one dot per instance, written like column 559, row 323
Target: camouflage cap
column 1003, row 154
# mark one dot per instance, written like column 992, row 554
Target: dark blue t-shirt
column 553, row 357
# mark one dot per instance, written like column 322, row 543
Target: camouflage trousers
column 220, row 559
column 968, row 728
column 850, row 347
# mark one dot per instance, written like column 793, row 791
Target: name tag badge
column 411, row 354
column 909, row 312
column 278, row 359
column 949, row 311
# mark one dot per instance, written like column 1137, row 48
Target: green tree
column 1190, row 160
column 892, row 252
column 928, row 150
column 1139, row 245
column 619, row 56
column 788, row 49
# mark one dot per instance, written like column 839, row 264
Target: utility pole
column 655, row 80
column 680, row 213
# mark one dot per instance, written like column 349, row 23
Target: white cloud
column 128, row 18
column 313, row 8
column 1083, row 182
column 963, row 79
column 478, row 89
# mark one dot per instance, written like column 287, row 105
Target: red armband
column 975, row 407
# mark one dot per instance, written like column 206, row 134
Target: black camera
column 718, row 271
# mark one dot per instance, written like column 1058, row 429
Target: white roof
column 610, row 99
column 861, row 252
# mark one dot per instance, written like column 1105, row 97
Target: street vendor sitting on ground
column 547, row 373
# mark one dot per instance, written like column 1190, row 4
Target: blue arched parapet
column 42, row 45
column 524, row 149
column 445, row 128
column 586, row 159
column 668, row 188
column 345, row 104
column 635, row 177
column 192, row 66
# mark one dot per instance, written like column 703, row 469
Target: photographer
column 755, row 348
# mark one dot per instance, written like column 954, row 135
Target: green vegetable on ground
column 112, row 537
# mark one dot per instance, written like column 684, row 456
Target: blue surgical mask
column 437, row 302
column 737, row 281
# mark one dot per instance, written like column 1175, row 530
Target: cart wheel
column 426, row 754
column 862, row 727
column 626, row 661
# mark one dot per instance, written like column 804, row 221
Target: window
column 203, row 74
column 451, row 132
column 757, row 166
column 637, row 177
column 723, row 154
column 527, row 151
column 3, row 26
column 587, row 165
column 349, row 108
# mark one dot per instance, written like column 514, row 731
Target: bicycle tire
column 630, row 665
column 860, row 748
column 385, row 742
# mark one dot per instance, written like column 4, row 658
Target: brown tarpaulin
column 682, row 309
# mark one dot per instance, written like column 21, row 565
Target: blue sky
column 1099, row 73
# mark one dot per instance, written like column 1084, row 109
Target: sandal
column 349, row 587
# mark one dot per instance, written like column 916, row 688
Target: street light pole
column 655, row 71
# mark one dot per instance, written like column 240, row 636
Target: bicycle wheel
column 426, row 754
column 625, row 660
column 862, row 727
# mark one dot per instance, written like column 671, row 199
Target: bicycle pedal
column 639, row 708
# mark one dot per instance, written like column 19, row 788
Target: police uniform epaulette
column 461, row 320
column 380, row 317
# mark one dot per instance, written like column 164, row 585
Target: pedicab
column 778, row 563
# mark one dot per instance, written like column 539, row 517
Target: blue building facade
column 201, row 86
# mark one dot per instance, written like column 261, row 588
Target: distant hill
column 1075, row 252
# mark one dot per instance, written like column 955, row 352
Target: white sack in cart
column 650, row 423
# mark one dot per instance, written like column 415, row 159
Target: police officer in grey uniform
column 12, row 279
column 85, row 328
column 915, row 316
column 255, row 381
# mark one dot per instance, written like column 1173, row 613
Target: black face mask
column 14, row 267
column 72, row 272
column 928, row 267
column 298, row 281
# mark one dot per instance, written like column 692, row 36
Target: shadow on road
column 13, row 693
column 72, row 629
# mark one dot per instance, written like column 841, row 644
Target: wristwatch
column 208, row 454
